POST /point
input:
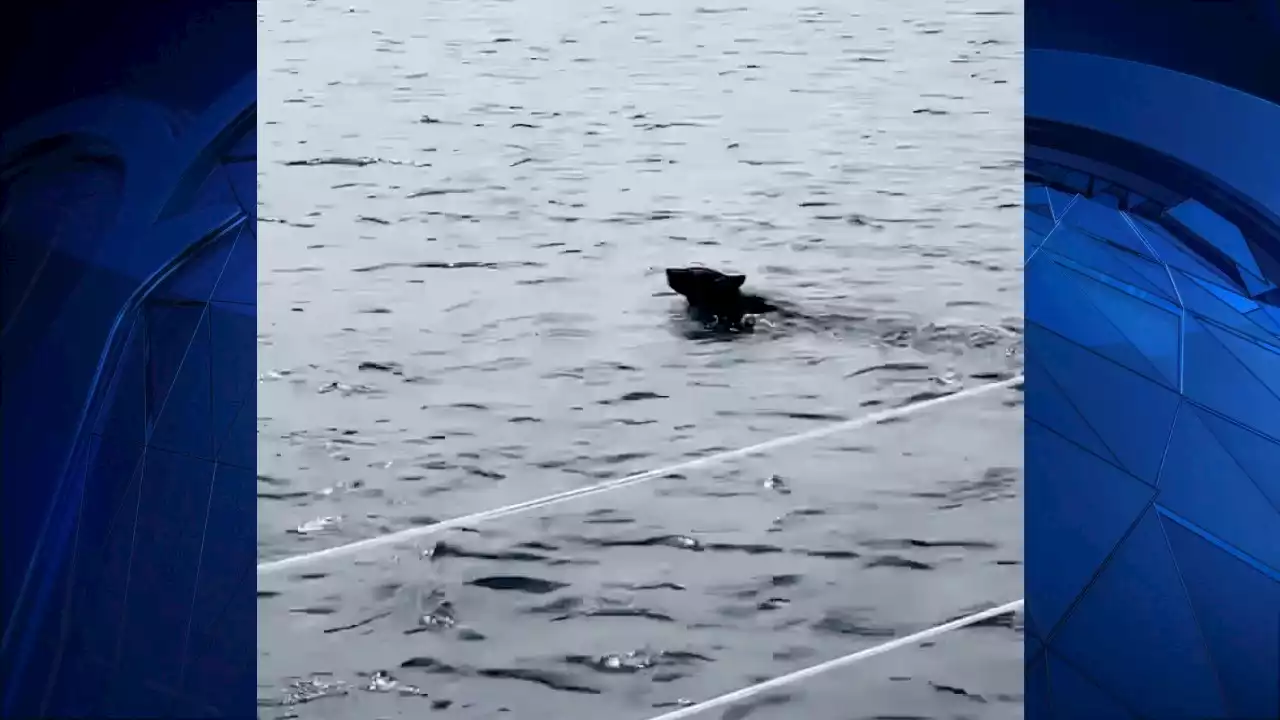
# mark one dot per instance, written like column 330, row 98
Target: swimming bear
column 716, row 298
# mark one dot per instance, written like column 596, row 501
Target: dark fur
column 716, row 298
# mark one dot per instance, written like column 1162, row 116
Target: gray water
column 465, row 211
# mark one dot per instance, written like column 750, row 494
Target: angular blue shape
column 243, row 149
column 231, row 529
column 170, row 330
column 1032, row 646
column 1203, row 483
column 155, row 623
column 1135, row 632
column 1037, row 691
column 1260, row 357
column 1038, row 224
column 1155, row 332
column 1238, row 610
column 1255, row 285
column 1264, row 320
column 1171, row 252
column 233, row 368
column 45, row 656
column 101, row 592
column 124, row 422
column 1272, row 312
column 211, row 677
column 1071, row 484
column 1204, row 299
column 1060, row 201
column 1037, row 200
column 182, row 424
column 239, row 284
column 56, row 214
column 1257, row 455
column 1063, row 308
column 211, row 191
column 196, row 278
column 1032, row 242
column 114, row 470
column 1036, row 229
column 1104, row 102
column 1047, row 405
column 1213, row 227
column 1087, row 700
column 1220, row 380
column 1088, row 255
column 238, row 448
column 242, row 178
column 91, row 174
column 1134, row 414
column 1156, row 273
column 1032, row 627
column 1237, row 302
column 1106, row 224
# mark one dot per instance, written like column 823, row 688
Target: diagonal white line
column 814, row 670
column 289, row 563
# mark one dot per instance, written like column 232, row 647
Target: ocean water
column 465, row 210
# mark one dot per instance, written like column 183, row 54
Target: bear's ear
column 735, row 281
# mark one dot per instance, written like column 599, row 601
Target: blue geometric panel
column 1152, row 398
column 236, row 285
column 1238, row 387
column 1054, row 410
column 232, row 533
column 1203, row 483
column 1091, row 382
column 1148, row 323
column 1096, row 220
column 1258, row 456
column 1090, row 255
column 232, row 332
column 155, row 626
column 129, row 403
column 1086, row 698
column 200, row 276
column 1037, row 686
column 161, row 520
column 178, row 399
column 1226, row 237
column 1073, row 483
column 1236, row 602
column 1135, row 621
column 1172, row 254
column 1073, row 314
column 1223, row 307
column 1036, row 230
column 1060, row 201
column 1038, row 202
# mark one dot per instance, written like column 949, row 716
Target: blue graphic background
column 1153, row 360
column 128, row 181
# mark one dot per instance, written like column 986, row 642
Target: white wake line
column 289, row 563
column 805, row 674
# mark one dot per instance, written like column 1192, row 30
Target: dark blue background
column 1231, row 42
column 1153, row 359
column 127, row 303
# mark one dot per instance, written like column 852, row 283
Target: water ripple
column 466, row 210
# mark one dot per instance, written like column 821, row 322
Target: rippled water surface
column 466, row 207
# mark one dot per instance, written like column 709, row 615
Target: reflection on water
column 466, row 210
